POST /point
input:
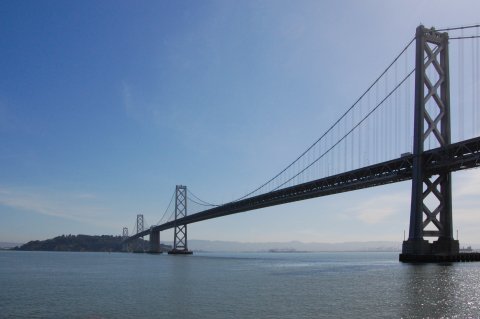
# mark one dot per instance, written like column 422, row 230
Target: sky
column 105, row 106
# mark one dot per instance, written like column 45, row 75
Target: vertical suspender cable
column 460, row 90
column 332, row 158
column 404, row 105
column 408, row 106
column 352, row 141
column 345, row 147
column 473, row 88
column 369, row 140
column 385, row 108
column 477, row 85
column 473, row 69
column 360, row 135
column 377, row 129
column 397, row 118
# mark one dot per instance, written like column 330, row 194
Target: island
column 101, row 243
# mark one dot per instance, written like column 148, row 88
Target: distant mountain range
column 227, row 246
column 230, row 246
column 113, row 243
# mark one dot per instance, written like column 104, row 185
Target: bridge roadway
column 457, row 156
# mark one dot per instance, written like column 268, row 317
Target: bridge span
column 454, row 157
column 428, row 163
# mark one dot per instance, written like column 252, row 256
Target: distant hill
column 101, row 243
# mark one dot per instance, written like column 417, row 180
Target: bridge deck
column 458, row 156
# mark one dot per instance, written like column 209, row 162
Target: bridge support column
column 155, row 242
column 124, row 238
column 180, row 233
column 431, row 204
column 139, row 246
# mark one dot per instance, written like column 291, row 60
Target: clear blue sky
column 106, row 105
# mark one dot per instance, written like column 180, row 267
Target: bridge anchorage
column 154, row 236
column 154, row 241
column 427, row 188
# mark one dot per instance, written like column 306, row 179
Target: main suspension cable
column 349, row 132
column 202, row 202
column 332, row 126
column 460, row 28
column 166, row 210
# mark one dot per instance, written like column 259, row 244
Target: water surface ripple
column 214, row 285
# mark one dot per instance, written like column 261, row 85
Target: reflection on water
column 441, row 290
column 427, row 290
column 321, row 285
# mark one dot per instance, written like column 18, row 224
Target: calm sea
column 263, row 285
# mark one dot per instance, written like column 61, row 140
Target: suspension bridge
column 419, row 121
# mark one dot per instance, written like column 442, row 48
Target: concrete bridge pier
column 155, row 242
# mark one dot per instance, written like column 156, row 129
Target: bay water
column 233, row 285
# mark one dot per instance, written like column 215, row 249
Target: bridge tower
column 125, row 246
column 139, row 223
column 139, row 247
column 180, row 233
column 431, row 203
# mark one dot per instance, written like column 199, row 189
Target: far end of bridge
column 136, row 243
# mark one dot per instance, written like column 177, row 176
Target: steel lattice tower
column 140, row 223
column 125, row 233
column 180, row 232
column 431, row 204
